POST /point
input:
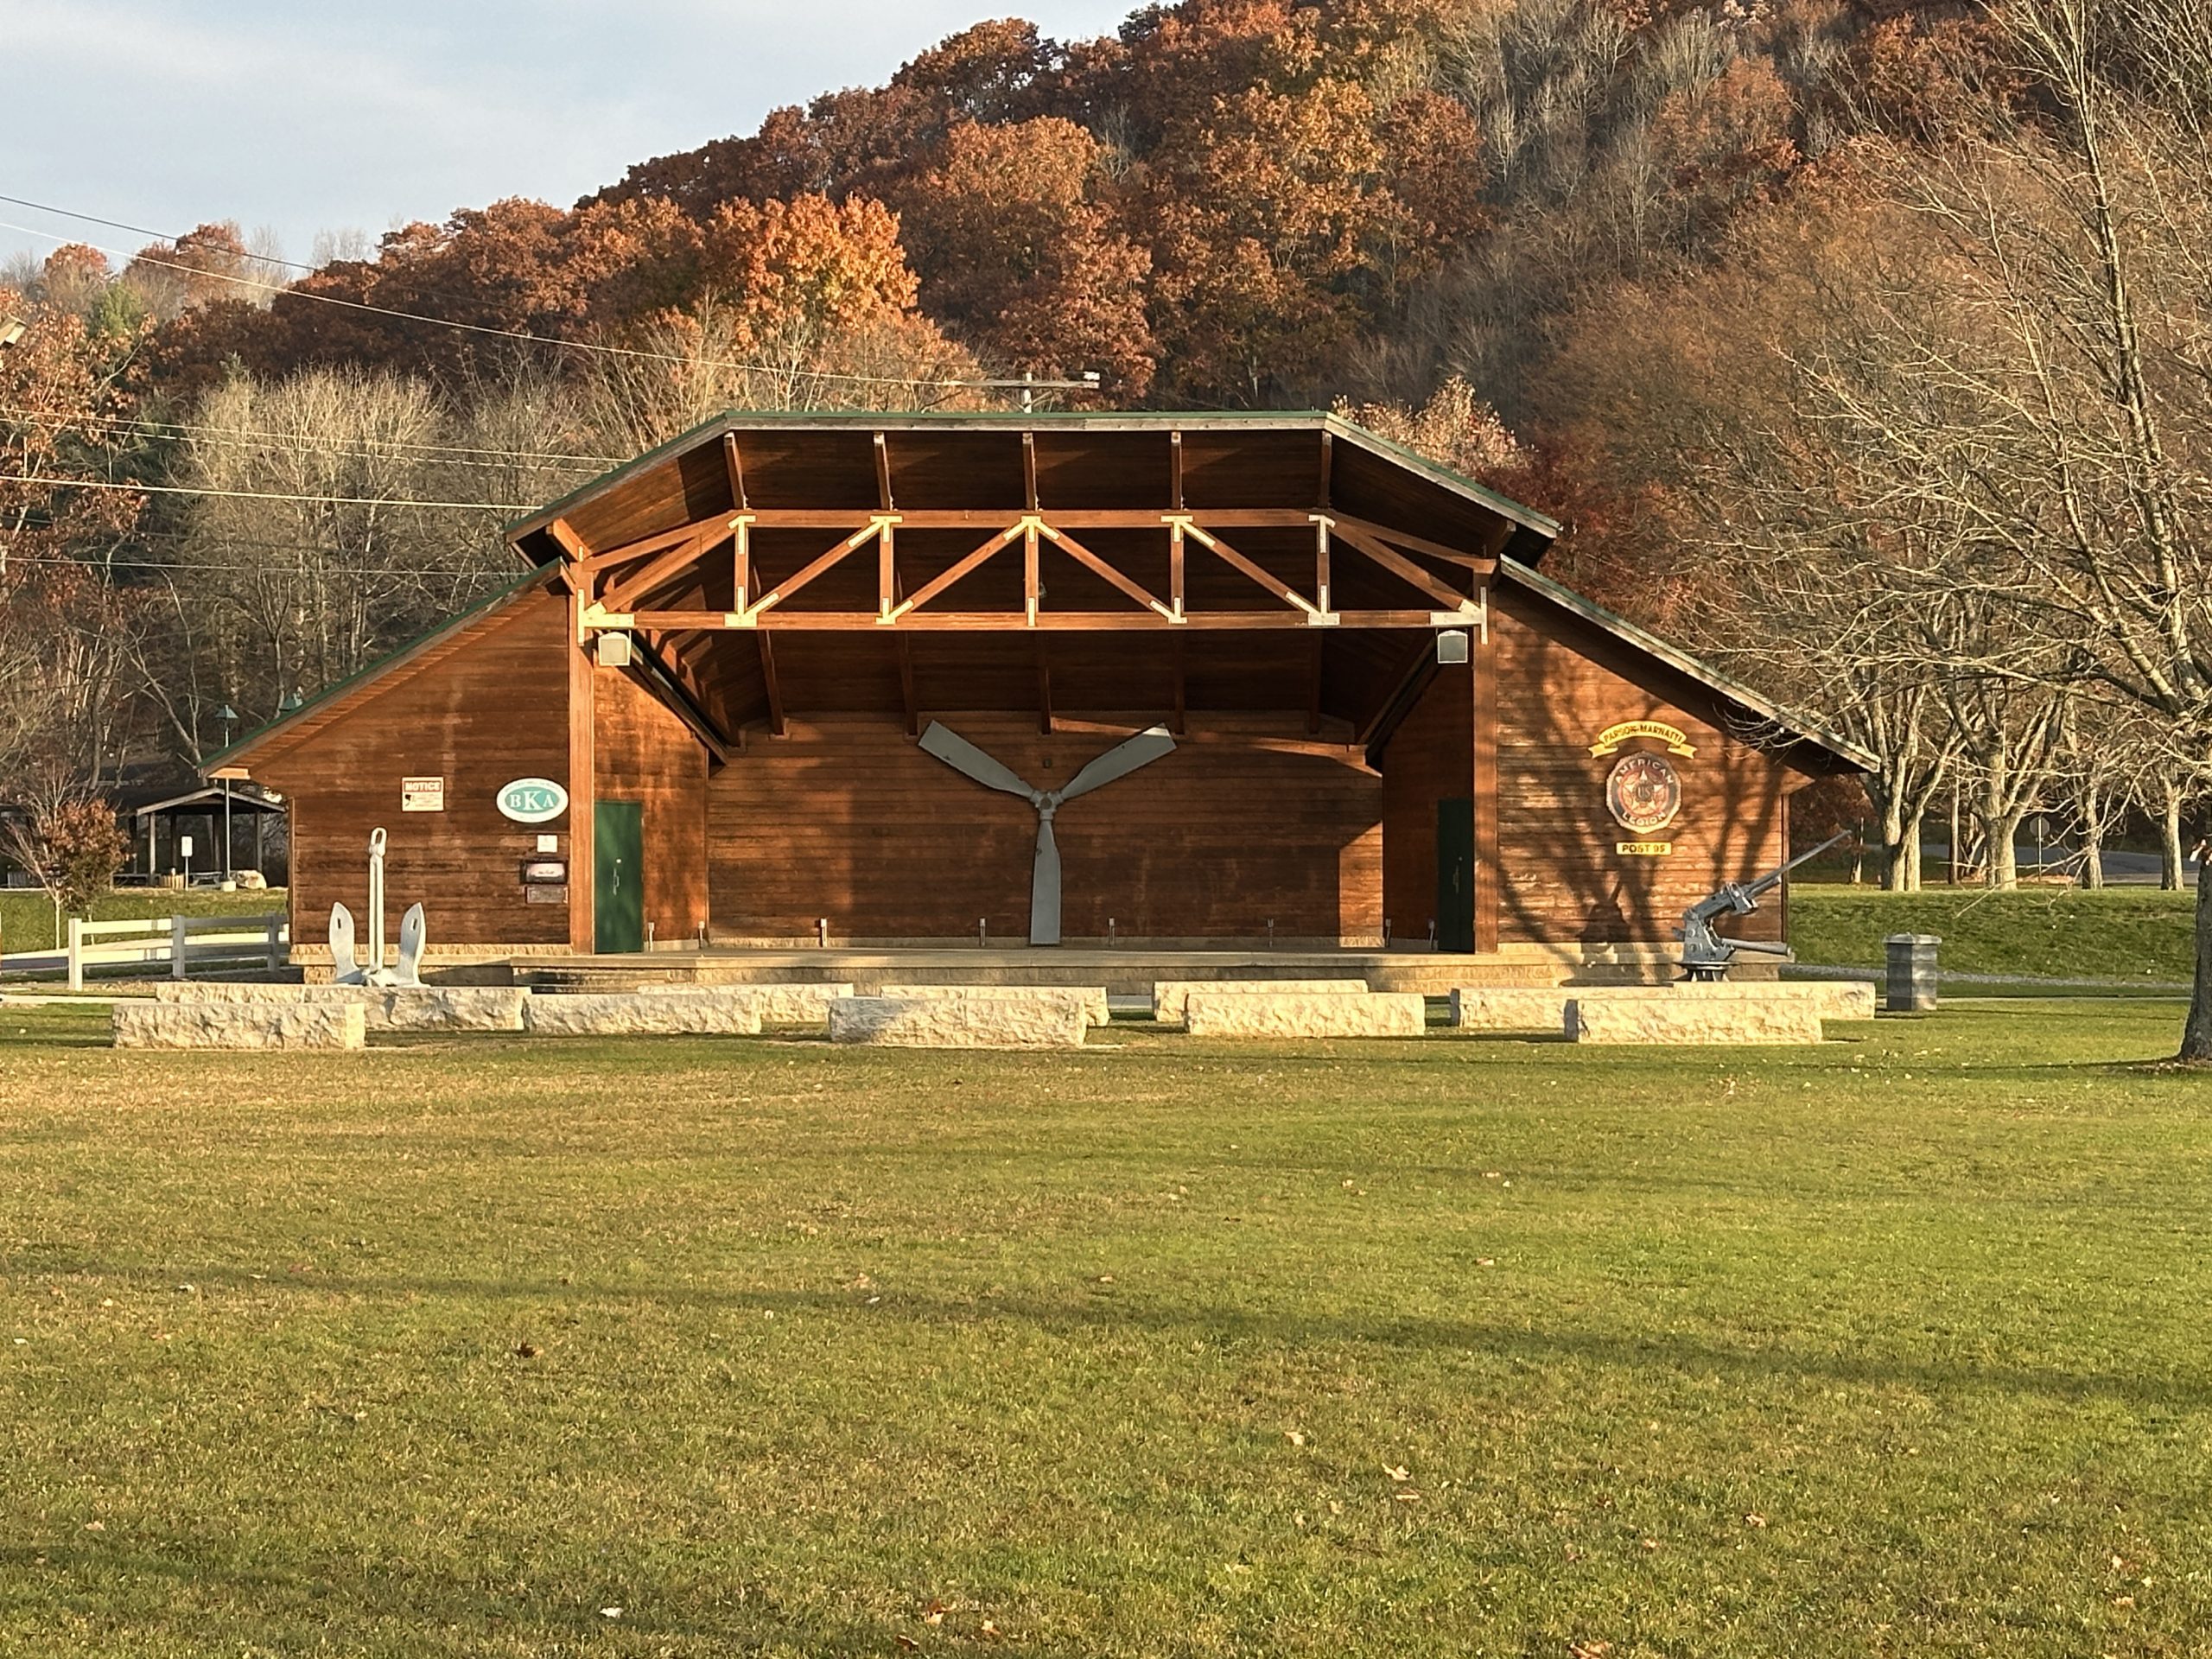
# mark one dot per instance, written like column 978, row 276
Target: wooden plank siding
column 479, row 717
column 847, row 820
column 1561, row 880
column 1431, row 757
column 644, row 754
column 1316, row 744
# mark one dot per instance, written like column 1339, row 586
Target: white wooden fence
column 182, row 942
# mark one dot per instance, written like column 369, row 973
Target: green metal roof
column 1113, row 421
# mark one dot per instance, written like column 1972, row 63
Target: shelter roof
column 1155, row 459
column 825, row 469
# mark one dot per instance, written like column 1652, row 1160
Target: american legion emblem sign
column 1643, row 791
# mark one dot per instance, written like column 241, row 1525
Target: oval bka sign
column 533, row 800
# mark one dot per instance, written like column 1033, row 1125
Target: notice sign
column 422, row 794
column 1643, row 848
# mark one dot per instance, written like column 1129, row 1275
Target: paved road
column 2121, row 869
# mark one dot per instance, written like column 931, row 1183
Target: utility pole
column 1029, row 385
column 11, row 330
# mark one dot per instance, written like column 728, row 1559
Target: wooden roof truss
column 618, row 585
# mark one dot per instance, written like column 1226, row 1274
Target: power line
column 300, row 442
column 187, row 567
column 519, row 333
column 140, row 230
column 53, row 415
column 266, row 495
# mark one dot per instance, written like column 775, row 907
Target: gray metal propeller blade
column 963, row 756
column 1119, row 761
column 1044, row 884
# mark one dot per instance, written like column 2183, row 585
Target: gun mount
column 1705, row 955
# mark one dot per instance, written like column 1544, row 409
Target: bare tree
column 2045, row 384
column 340, row 517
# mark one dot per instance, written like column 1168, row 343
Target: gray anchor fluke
column 413, row 936
column 344, row 970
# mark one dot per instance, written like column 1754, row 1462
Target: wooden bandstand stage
column 841, row 695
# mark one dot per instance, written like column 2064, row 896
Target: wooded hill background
column 1672, row 272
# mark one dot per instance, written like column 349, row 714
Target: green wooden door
column 618, row 861
column 1455, row 874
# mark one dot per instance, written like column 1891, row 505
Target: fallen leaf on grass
column 524, row 1350
column 610, row 1612
column 1755, row 1520
column 907, row 1641
column 990, row 1631
column 1400, row 1473
column 935, row 1615
column 1295, row 1436
column 1589, row 1649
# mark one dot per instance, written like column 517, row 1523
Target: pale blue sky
column 305, row 115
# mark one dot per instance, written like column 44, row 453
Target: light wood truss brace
column 612, row 584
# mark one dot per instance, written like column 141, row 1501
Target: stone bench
column 780, row 1004
column 386, row 1008
column 1685, row 1018
column 1170, row 996
column 1094, row 996
column 1304, row 1013
column 710, row 1011
column 977, row 1021
column 1512, row 1008
column 299, row 1024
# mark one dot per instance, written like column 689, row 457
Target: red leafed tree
column 1018, row 254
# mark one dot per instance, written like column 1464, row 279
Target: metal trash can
column 1911, row 987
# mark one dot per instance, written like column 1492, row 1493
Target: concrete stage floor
column 1128, row 971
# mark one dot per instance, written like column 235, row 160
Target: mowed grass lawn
column 2122, row 934
column 1896, row 1346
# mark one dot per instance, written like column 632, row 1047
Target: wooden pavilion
column 714, row 677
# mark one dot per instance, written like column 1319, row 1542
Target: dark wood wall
column 1431, row 757
column 846, row 818
column 644, row 754
column 492, row 708
column 1560, row 685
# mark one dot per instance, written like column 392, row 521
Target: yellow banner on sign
column 1643, row 848
column 1676, row 739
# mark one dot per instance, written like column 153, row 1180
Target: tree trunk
column 1912, row 833
column 2001, row 857
column 2170, row 869
column 2092, row 861
column 1892, row 844
column 2197, row 1035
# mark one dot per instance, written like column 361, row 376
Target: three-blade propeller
column 1118, row 762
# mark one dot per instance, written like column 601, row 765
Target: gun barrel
column 1775, row 878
